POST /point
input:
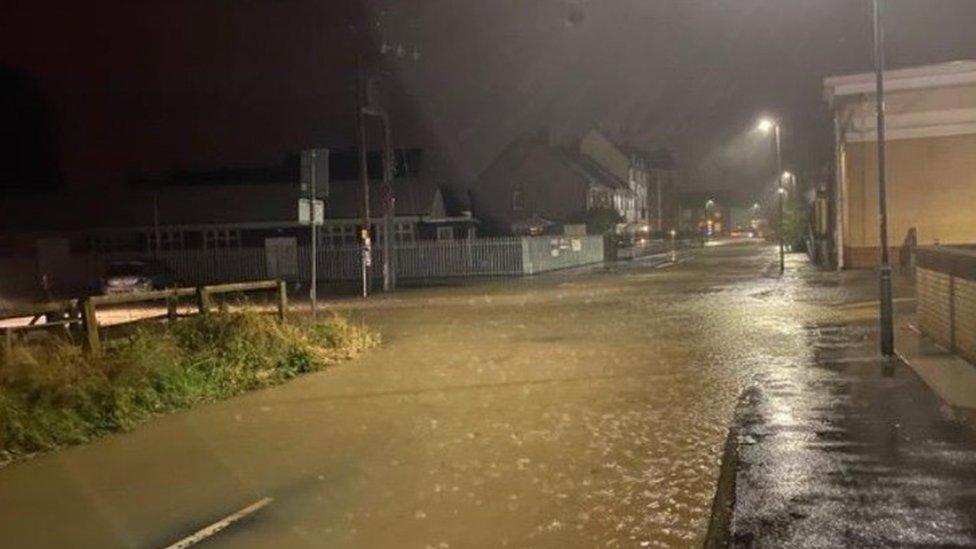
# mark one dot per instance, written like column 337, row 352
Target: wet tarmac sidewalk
column 844, row 450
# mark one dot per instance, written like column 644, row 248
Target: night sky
column 93, row 93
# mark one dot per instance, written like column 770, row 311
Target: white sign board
column 315, row 161
column 303, row 216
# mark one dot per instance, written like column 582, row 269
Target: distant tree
column 600, row 220
column 795, row 221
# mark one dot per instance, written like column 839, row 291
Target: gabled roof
column 594, row 173
column 659, row 158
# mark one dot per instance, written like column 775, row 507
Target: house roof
column 953, row 73
column 116, row 208
column 198, row 205
column 594, row 173
column 659, row 158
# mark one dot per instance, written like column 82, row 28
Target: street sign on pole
column 319, row 158
column 303, row 215
column 314, row 182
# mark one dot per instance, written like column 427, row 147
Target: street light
column 769, row 125
column 887, row 309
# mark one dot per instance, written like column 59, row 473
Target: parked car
column 137, row 276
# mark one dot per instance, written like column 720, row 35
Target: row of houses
column 534, row 187
column 538, row 184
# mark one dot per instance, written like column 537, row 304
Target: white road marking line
column 205, row 533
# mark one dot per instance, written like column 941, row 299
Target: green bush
column 53, row 394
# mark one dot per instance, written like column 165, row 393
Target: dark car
column 137, row 276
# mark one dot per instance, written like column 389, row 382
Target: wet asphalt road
column 571, row 410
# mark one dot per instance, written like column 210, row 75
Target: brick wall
column 933, row 305
column 965, row 318
column 946, row 288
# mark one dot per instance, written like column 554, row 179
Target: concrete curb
column 720, row 523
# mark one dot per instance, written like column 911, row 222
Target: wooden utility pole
column 363, row 169
column 314, row 237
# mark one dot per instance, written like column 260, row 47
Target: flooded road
column 570, row 410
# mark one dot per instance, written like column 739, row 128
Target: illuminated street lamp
column 771, row 126
column 709, row 205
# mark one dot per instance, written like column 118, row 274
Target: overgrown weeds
column 52, row 394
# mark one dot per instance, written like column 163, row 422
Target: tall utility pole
column 887, row 312
column 389, row 239
column 660, row 221
column 389, row 277
column 781, row 191
column 363, row 170
column 156, row 233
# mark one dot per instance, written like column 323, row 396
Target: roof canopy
column 954, row 73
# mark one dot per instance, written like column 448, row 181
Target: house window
column 445, row 233
column 105, row 243
column 221, row 239
column 340, row 235
column 403, row 232
column 518, row 203
column 168, row 240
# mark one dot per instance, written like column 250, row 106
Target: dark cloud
column 149, row 85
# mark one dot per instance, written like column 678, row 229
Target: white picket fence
column 423, row 260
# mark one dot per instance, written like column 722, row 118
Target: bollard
column 8, row 346
column 172, row 304
column 282, row 300
column 89, row 324
column 203, row 300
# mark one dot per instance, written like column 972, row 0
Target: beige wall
column 931, row 186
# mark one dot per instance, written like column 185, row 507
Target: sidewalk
column 843, row 450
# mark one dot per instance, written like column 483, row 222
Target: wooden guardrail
column 82, row 312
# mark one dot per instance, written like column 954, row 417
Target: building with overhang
column 931, row 159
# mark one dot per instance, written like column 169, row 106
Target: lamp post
column 754, row 222
column 886, row 308
column 768, row 125
column 709, row 205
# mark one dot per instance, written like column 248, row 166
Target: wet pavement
column 584, row 409
column 844, row 449
column 847, row 451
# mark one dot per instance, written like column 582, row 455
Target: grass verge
column 52, row 394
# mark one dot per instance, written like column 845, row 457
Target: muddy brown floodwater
column 570, row 410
